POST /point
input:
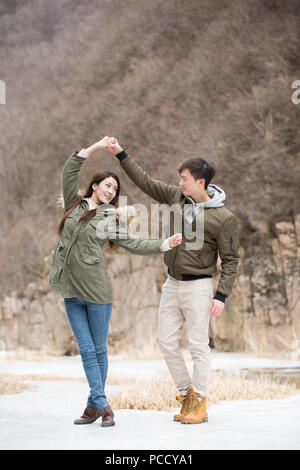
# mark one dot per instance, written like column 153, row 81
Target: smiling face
column 105, row 191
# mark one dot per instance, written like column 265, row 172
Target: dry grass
column 10, row 383
column 22, row 354
column 228, row 386
column 145, row 352
column 160, row 393
column 49, row 378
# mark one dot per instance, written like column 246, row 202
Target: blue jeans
column 90, row 324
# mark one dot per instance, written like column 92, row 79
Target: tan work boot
column 197, row 412
column 185, row 403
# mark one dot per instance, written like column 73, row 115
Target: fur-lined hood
column 125, row 214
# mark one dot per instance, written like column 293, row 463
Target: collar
column 91, row 203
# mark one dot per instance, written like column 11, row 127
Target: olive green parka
column 78, row 265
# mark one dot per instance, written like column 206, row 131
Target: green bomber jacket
column 220, row 232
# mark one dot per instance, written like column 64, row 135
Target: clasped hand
column 109, row 143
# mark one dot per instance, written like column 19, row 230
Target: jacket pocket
column 206, row 259
column 90, row 259
column 234, row 244
column 54, row 275
column 61, row 250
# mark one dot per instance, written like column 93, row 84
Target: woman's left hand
column 175, row 240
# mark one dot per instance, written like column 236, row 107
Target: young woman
column 78, row 273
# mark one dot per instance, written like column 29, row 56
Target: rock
column 261, row 316
column 30, row 290
column 11, row 306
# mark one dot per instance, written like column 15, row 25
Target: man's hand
column 216, row 308
column 114, row 146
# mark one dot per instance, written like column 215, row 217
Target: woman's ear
column 94, row 186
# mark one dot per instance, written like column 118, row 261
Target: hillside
column 170, row 79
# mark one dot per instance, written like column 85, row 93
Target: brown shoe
column 90, row 415
column 197, row 413
column 185, row 404
column 107, row 417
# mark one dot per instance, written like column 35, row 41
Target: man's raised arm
column 161, row 192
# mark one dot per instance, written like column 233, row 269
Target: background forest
column 170, row 79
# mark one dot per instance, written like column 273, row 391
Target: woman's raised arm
column 72, row 167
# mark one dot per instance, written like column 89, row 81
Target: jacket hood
column 125, row 214
column 217, row 195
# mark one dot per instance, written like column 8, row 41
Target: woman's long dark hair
column 86, row 216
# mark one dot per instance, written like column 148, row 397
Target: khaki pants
column 186, row 302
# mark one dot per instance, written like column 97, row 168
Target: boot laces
column 195, row 405
column 186, row 403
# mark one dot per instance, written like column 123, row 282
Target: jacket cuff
column 121, row 155
column 82, row 154
column 165, row 246
column 219, row 296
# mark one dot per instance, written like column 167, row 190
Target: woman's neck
column 91, row 203
column 95, row 199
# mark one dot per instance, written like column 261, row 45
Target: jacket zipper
column 174, row 260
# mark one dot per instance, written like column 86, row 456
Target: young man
column 187, row 295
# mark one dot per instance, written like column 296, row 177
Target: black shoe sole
column 195, row 422
column 106, row 425
column 88, row 422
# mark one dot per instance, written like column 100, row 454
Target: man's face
column 190, row 186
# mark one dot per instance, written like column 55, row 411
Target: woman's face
column 105, row 191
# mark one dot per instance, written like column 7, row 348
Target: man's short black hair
column 199, row 168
